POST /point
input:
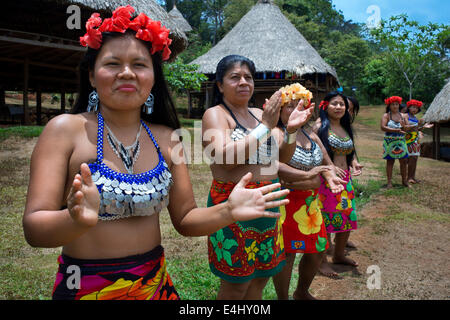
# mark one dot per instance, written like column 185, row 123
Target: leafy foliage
column 181, row 76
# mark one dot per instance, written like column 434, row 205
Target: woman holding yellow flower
column 303, row 227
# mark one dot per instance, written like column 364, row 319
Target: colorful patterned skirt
column 394, row 147
column 244, row 250
column 338, row 210
column 139, row 277
column 412, row 141
column 302, row 223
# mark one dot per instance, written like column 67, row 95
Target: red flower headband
column 413, row 102
column 146, row 30
column 393, row 99
column 324, row 104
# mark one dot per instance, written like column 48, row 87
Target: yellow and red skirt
column 302, row 224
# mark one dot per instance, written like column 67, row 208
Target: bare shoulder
column 257, row 112
column 69, row 122
column 216, row 117
column 66, row 127
column 214, row 112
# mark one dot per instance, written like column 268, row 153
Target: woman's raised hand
column 299, row 117
column 247, row 204
column 83, row 200
column 271, row 112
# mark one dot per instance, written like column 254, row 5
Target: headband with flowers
column 146, row 30
column 415, row 103
column 296, row 91
column 323, row 105
column 393, row 99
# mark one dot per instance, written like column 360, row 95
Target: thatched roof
column 439, row 110
column 181, row 22
column 149, row 7
column 266, row 36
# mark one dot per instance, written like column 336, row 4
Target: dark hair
column 325, row 125
column 388, row 107
column 222, row 67
column 164, row 111
column 355, row 104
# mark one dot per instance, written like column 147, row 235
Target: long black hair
column 325, row 126
column 222, row 67
column 164, row 111
column 355, row 104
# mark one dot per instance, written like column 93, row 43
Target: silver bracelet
column 290, row 138
column 261, row 132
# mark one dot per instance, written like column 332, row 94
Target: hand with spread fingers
column 271, row 112
column 83, row 200
column 299, row 117
column 248, row 204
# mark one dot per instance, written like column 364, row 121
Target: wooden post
column 317, row 88
column 207, row 103
column 39, row 106
column 436, row 141
column 2, row 97
column 63, row 101
column 189, row 105
column 26, row 77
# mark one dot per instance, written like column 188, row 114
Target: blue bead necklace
column 125, row 195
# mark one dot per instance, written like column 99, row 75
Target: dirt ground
column 405, row 235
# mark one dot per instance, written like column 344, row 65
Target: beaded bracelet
column 261, row 132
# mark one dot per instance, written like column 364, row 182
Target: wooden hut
column 439, row 114
column 178, row 18
column 280, row 52
column 40, row 53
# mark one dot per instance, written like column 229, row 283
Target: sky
column 423, row 11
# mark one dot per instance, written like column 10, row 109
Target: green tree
column 373, row 81
column 410, row 46
column 234, row 11
column 182, row 77
column 348, row 55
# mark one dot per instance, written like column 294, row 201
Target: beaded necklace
column 124, row 195
column 129, row 154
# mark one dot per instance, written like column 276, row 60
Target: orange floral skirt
column 139, row 277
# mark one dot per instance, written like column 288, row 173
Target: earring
column 148, row 105
column 93, row 102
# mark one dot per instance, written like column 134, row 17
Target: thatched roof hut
column 178, row 18
column 439, row 114
column 439, row 110
column 40, row 53
column 269, row 39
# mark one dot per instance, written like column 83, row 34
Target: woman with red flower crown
column 413, row 137
column 105, row 212
column 395, row 124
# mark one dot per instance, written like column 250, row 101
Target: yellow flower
column 309, row 222
column 251, row 251
column 344, row 201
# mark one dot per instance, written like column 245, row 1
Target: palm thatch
column 266, row 36
column 181, row 22
column 149, row 7
column 439, row 110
